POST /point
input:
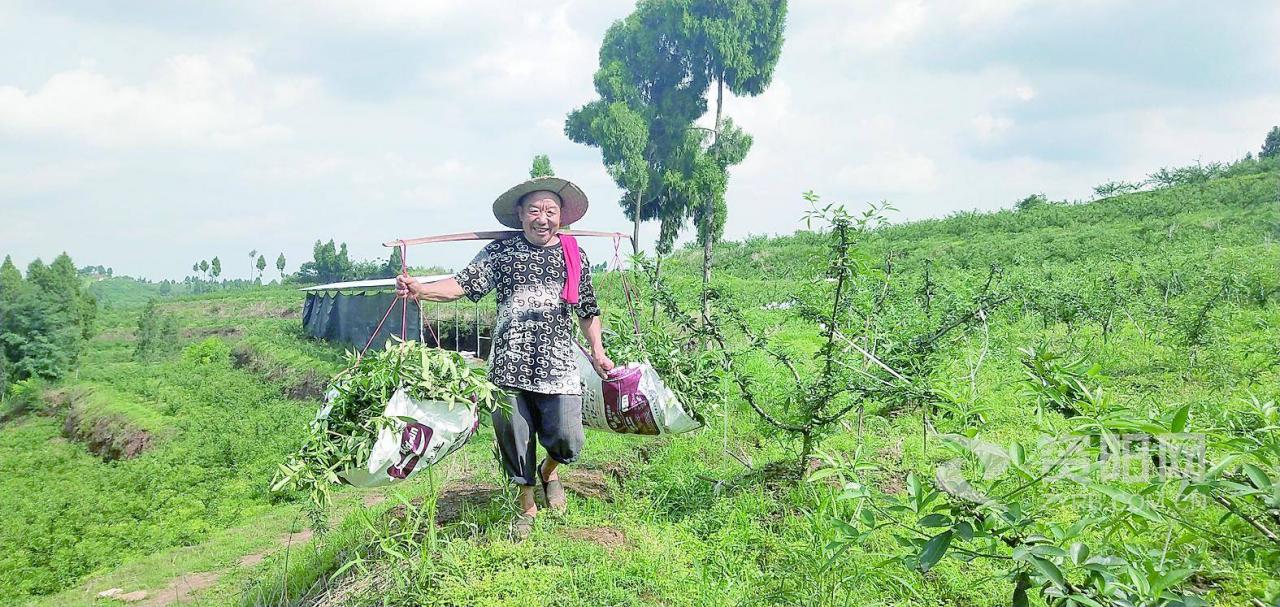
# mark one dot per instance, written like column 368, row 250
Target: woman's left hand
column 602, row 364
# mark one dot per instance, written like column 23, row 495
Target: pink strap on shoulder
column 572, row 266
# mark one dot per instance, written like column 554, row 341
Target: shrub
column 207, row 352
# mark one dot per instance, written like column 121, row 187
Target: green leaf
column 1259, row 478
column 821, row 473
column 1020, row 585
column 1082, row 599
column 1018, row 454
column 935, row 520
column 1079, row 553
column 1050, row 571
column 1047, row 550
column 1222, row 466
column 1134, row 503
column 933, row 550
column 1179, row 423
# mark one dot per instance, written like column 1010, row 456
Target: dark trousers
column 555, row 420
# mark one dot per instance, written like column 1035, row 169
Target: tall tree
column 280, row 266
column 10, row 277
column 204, row 267
column 195, row 267
column 253, row 254
column 650, row 95
column 1271, row 146
column 215, row 267
column 329, row 263
column 541, row 167
column 261, row 265
column 45, row 318
column 740, row 42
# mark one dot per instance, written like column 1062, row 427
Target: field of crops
column 1145, row 314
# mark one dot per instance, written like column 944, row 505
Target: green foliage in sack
column 343, row 438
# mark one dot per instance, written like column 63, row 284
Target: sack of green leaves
column 635, row 399
column 391, row 415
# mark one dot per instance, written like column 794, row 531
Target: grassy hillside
column 1170, row 295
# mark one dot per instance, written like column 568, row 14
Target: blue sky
column 148, row 135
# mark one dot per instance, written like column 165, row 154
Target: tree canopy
column 1271, row 146
column 541, row 167
column 329, row 263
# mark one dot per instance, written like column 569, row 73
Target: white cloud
column 988, row 127
column 885, row 25
column 427, row 109
column 194, row 99
column 536, row 52
column 381, row 14
column 896, row 172
column 51, row 177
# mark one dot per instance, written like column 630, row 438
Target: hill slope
column 1172, row 293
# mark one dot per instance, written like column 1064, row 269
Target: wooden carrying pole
column 495, row 235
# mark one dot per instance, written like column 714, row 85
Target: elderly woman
column 533, row 349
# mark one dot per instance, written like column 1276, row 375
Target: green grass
column 697, row 527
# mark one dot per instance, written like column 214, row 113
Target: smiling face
column 539, row 216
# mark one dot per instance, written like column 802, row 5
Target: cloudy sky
column 148, row 135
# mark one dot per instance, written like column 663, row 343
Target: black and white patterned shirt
column 533, row 346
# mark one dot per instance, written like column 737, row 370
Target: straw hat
column 573, row 203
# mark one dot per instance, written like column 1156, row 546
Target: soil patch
column 455, row 499
column 894, row 481
column 288, row 540
column 587, row 483
column 181, row 588
column 109, row 437
column 304, row 385
column 266, row 310
column 212, row 332
column 309, row 386
column 608, row 537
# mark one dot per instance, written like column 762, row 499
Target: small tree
column 280, row 266
column 157, row 332
column 1031, row 202
column 541, row 167
column 869, row 352
column 261, row 265
column 1271, row 146
column 329, row 263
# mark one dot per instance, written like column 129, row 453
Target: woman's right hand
column 407, row 286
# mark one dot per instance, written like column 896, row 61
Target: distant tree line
column 1267, row 160
column 331, row 262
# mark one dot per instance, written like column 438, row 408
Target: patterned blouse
column 533, row 347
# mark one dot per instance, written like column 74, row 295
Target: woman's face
column 540, row 217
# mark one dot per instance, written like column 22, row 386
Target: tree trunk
column 657, row 275
column 708, row 210
column 635, row 228
column 806, row 450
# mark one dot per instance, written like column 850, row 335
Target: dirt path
column 184, row 588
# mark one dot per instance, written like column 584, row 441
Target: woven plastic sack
column 632, row 401
column 423, row 433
